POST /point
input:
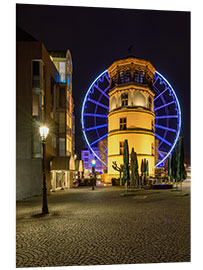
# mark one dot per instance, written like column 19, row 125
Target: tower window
column 141, row 77
column 123, row 123
column 124, row 99
column 122, row 78
column 136, row 76
column 121, row 148
column 127, row 79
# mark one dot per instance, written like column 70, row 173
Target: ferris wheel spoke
column 101, row 91
column 156, row 90
column 165, row 105
column 107, row 78
column 165, row 128
column 103, row 152
column 96, row 127
column 98, row 103
column 159, row 152
column 166, row 116
column 161, row 93
column 95, row 115
column 99, row 139
column 162, row 139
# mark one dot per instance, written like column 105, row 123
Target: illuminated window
column 62, row 71
column 124, row 99
column 136, row 76
column 127, row 78
column 121, row 147
column 122, row 77
column 113, row 103
column 123, row 123
column 141, row 77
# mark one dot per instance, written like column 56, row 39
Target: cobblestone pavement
column 101, row 227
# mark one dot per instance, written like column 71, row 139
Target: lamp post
column 44, row 133
column 93, row 172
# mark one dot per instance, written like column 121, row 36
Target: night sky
column 96, row 37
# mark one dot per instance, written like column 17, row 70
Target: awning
column 60, row 163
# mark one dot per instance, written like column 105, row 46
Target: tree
column 181, row 171
column 134, row 168
column 126, row 174
column 119, row 169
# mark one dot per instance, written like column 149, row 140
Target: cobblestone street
column 100, row 227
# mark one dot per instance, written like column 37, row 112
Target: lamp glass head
column 93, row 162
column 43, row 130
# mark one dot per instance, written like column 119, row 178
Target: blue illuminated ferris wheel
column 167, row 111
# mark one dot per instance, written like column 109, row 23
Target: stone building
column 131, row 112
column 43, row 95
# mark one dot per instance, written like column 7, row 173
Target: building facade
column 87, row 157
column 131, row 112
column 42, row 96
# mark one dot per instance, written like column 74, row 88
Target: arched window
column 150, row 103
column 141, row 76
column 122, row 77
column 136, row 76
column 124, row 99
column 139, row 100
column 113, row 103
column 127, row 77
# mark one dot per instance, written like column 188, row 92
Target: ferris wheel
column 95, row 109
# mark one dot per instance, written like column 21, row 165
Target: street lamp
column 93, row 172
column 43, row 130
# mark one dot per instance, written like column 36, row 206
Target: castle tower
column 131, row 112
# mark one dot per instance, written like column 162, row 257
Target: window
column 86, row 154
column 124, row 99
column 54, row 141
column 36, row 74
column 123, row 123
column 127, row 78
column 36, row 145
column 62, row 71
column 121, row 147
column 35, row 68
column 136, row 76
column 35, row 105
column 141, row 77
column 86, row 159
column 62, row 97
column 62, row 122
column 122, row 77
column 62, row 147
